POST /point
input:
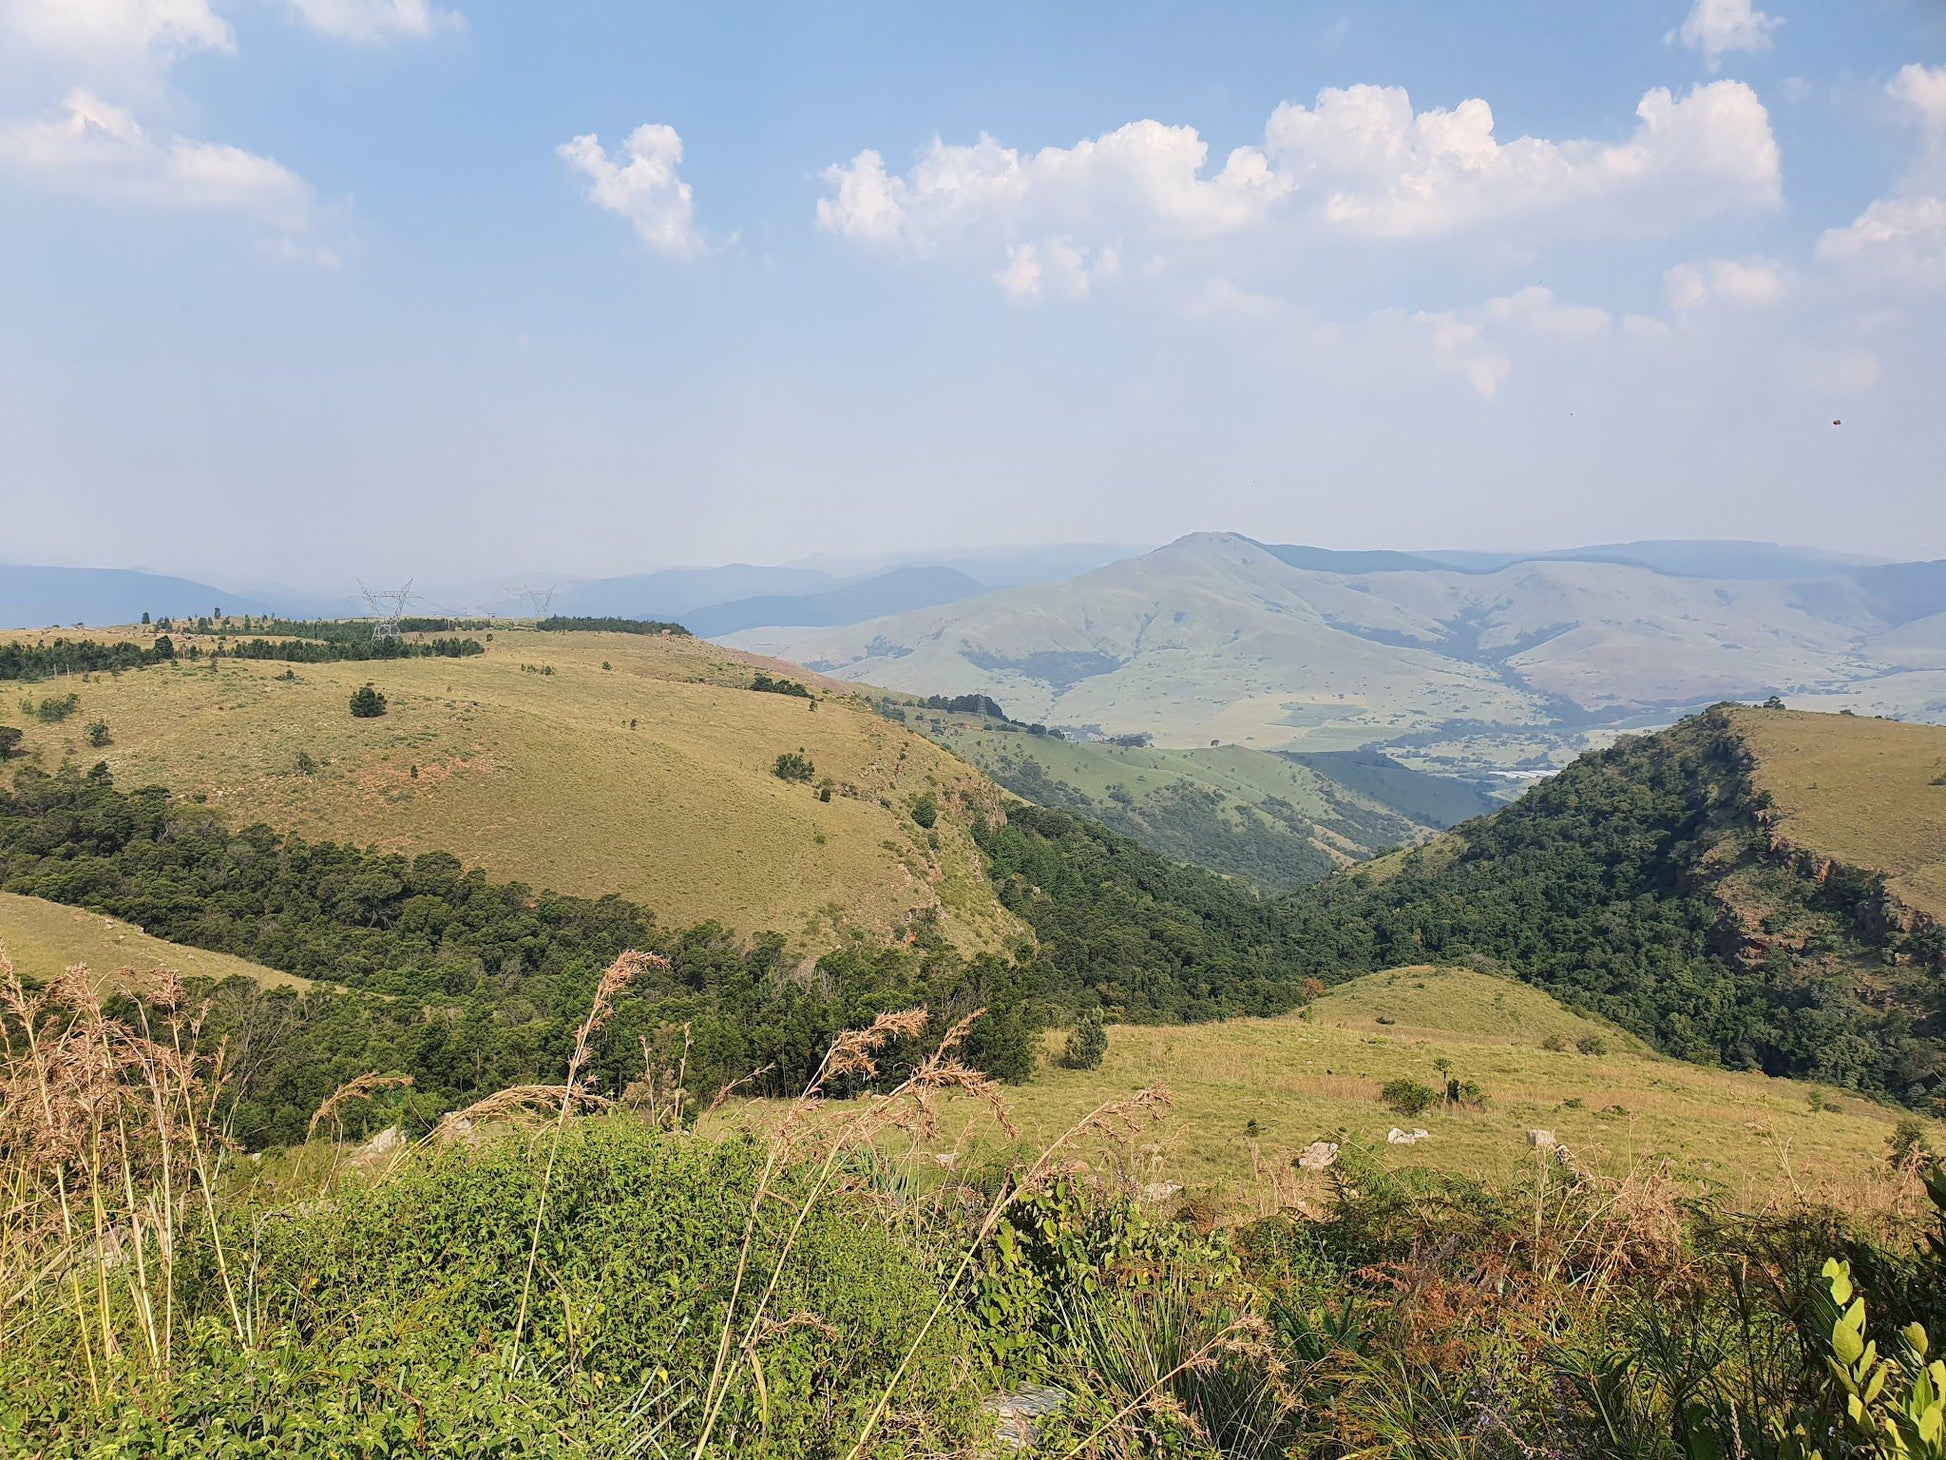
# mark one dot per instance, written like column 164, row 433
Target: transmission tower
column 541, row 598
column 387, row 608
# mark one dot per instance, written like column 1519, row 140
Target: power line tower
column 387, row 608
column 542, row 599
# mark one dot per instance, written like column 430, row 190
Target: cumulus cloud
column 1903, row 237
column 1716, row 27
column 1055, row 216
column 1389, row 171
column 1359, row 162
column 1750, row 283
column 640, row 183
column 111, row 29
column 374, row 21
column 89, row 148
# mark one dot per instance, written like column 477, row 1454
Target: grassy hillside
column 585, row 763
column 1864, row 793
column 1274, row 821
column 43, row 938
column 1319, row 1074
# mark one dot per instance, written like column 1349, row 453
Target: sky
column 297, row 290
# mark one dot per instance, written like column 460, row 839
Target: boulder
column 1317, row 1156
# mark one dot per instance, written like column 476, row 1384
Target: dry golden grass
column 43, row 938
column 1868, row 793
column 539, row 777
column 1750, row 1139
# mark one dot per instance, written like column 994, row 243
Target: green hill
column 586, row 763
column 1698, row 887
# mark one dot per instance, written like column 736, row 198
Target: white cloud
column 1360, row 162
column 1144, row 174
column 1751, row 283
column 1391, row 172
column 1057, row 267
column 115, row 28
column 640, row 183
column 1903, row 237
column 1715, row 27
column 1922, row 89
column 376, row 20
column 89, row 148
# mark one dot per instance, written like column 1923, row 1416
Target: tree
column 98, row 734
column 1408, row 1096
column 1087, row 1043
column 794, row 765
column 367, row 703
column 10, row 737
column 925, row 810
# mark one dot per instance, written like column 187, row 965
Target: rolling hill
column 1490, row 668
column 582, row 763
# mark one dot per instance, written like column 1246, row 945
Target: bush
column 305, row 765
column 1408, row 1096
column 1087, row 1044
column 1555, row 1043
column 925, row 810
column 10, row 738
column 98, row 733
column 1591, row 1045
column 367, row 703
column 52, row 710
column 794, row 765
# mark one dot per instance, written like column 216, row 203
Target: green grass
column 1317, row 1075
column 1864, row 792
column 43, row 938
column 539, row 777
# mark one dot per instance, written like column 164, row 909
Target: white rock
column 1542, row 1140
column 1317, row 1156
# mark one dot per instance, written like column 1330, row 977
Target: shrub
column 367, row 703
column 10, row 738
column 1555, row 1043
column 794, row 765
column 1087, row 1044
column 52, row 710
column 925, row 810
column 1591, row 1045
column 1408, row 1096
column 98, row 733
column 305, row 765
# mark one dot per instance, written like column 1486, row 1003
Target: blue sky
column 296, row 289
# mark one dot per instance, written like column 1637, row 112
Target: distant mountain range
column 1471, row 666
column 722, row 599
